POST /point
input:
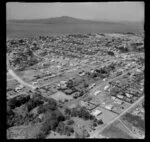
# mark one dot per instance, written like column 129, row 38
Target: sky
column 109, row 11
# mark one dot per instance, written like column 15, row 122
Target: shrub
column 100, row 122
column 70, row 122
column 67, row 111
column 110, row 53
column 31, row 104
column 82, row 113
column 18, row 101
column 51, row 106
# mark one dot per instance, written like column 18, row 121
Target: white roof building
column 97, row 92
column 96, row 112
column 62, row 82
column 118, row 101
column 120, row 96
column 128, row 95
column 109, row 107
column 106, row 87
column 113, row 97
column 104, row 79
column 34, row 83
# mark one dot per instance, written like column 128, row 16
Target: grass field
column 28, row 75
column 106, row 115
column 80, row 124
column 9, row 76
column 12, row 84
column 23, row 132
column 135, row 121
column 17, row 30
column 116, row 130
column 60, row 96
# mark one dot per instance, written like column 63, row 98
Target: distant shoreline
column 31, row 30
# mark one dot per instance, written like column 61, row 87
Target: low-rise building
column 92, row 85
column 106, row 87
column 120, row 96
column 17, row 89
column 96, row 112
column 113, row 97
column 97, row 92
column 109, row 107
column 129, row 95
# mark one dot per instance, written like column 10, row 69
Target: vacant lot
column 135, row 121
column 116, row 130
column 9, row 76
column 81, row 124
column 60, row 96
column 106, row 115
column 23, row 132
column 29, row 75
column 12, row 84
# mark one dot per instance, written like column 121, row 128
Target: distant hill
column 66, row 20
column 67, row 24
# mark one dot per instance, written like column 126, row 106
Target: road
column 76, row 101
column 67, row 75
column 133, row 135
column 95, row 134
column 113, row 79
column 12, row 73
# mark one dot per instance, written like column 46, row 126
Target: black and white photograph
column 75, row 70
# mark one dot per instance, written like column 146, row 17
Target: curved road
column 12, row 73
column 15, row 76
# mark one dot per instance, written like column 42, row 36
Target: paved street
column 11, row 72
column 98, row 131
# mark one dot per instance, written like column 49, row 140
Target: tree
column 94, row 124
column 70, row 122
column 41, row 109
column 64, row 129
column 85, row 133
column 40, row 135
column 59, row 116
column 70, row 84
column 77, row 135
column 60, row 128
column 110, row 53
column 67, row 111
column 100, row 121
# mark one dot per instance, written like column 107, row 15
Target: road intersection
column 98, row 131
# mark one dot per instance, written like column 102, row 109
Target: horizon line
column 105, row 20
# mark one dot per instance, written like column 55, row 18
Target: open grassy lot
column 80, row 124
column 29, row 75
column 116, row 130
column 60, row 96
column 106, row 115
column 12, row 84
column 135, row 121
column 9, row 76
column 23, row 132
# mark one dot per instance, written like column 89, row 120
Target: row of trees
column 80, row 112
